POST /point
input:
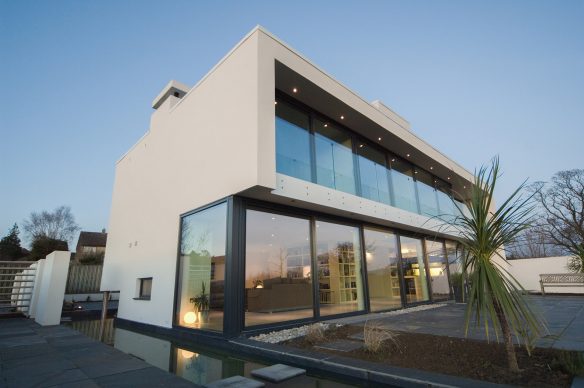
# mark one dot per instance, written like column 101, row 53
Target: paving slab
column 278, row 373
column 236, row 382
column 342, row 345
column 35, row 356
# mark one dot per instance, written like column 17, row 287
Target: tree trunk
column 509, row 348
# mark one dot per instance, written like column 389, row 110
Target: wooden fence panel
column 83, row 279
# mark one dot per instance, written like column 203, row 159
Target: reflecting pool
column 196, row 364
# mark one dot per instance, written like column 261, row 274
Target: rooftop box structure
column 271, row 194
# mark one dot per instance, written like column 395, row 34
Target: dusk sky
column 475, row 80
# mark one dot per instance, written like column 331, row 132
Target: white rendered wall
column 527, row 272
column 199, row 149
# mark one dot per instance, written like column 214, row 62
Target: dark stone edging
column 354, row 369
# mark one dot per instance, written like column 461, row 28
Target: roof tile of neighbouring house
column 92, row 239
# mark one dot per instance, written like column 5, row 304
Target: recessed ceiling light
column 408, row 155
column 431, row 167
column 448, row 178
column 326, row 125
column 416, row 171
column 360, row 145
column 393, row 160
column 275, row 102
column 342, row 117
column 464, row 187
column 294, row 90
column 379, row 138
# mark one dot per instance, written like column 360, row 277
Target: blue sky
column 475, row 79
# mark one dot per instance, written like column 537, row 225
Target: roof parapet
column 387, row 111
column 173, row 88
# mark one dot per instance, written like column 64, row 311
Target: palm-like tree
column 495, row 296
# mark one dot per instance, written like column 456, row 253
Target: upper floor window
column 334, row 157
column 373, row 172
column 315, row 149
column 404, row 189
column 426, row 194
column 292, row 141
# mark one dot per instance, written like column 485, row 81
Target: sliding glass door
column 383, row 277
column 414, row 270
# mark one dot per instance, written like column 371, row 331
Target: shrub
column 315, row 333
column 374, row 335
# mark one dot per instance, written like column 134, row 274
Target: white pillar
column 50, row 288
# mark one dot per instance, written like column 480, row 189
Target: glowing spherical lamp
column 190, row 318
column 187, row 354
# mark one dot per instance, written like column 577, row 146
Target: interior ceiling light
column 275, row 102
column 379, row 138
column 342, row 117
column 360, row 145
column 431, row 167
column 393, row 160
column 448, row 178
column 295, row 90
column 408, row 155
column 326, row 125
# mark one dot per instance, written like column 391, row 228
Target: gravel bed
column 275, row 337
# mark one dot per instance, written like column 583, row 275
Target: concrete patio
column 564, row 316
column 36, row 356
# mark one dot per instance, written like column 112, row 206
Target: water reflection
column 90, row 327
column 198, row 365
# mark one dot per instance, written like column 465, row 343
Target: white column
column 50, row 288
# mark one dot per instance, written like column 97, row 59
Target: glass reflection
column 382, row 270
column 202, row 269
column 373, row 173
column 438, row 273
column 339, row 268
column 426, row 194
column 414, row 270
column 278, row 284
column 334, row 157
column 292, row 142
column 404, row 189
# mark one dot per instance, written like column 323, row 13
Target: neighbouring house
column 90, row 246
column 269, row 194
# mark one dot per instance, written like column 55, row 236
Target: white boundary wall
column 527, row 272
column 49, row 288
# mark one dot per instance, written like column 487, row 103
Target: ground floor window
column 278, row 260
column 382, row 261
column 414, row 270
column 245, row 263
column 340, row 279
column 201, row 279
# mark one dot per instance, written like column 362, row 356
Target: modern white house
column 270, row 194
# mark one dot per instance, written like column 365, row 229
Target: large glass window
column 202, row 269
column 373, row 173
column 382, row 270
column 339, row 268
column 404, row 190
column 278, row 284
column 334, row 157
column 414, row 270
column 437, row 264
column 426, row 194
column 447, row 209
column 292, row 142
column 320, row 151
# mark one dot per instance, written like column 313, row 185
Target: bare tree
column 533, row 243
column 57, row 225
column 562, row 201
